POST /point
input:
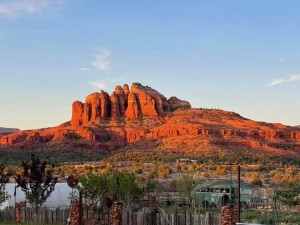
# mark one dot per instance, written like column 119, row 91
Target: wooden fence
column 7, row 215
column 145, row 218
column 60, row 216
column 45, row 216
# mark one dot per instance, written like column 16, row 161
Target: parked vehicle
column 222, row 192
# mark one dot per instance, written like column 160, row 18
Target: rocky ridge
column 141, row 115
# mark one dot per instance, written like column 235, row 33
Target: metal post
column 15, row 193
column 239, row 194
column 80, row 208
column 275, row 204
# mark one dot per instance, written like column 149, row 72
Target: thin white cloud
column 290, row 78
column 294, row 77
column 17, row 8
column 102, row 60
column 84, row 69
column 106, row 84
column 275, row 82
column 97, row 84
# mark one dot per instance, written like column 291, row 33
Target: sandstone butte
column 142, row 115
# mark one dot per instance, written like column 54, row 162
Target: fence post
column 80, row 208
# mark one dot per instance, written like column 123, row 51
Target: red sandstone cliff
column 140, row 113
column 138, row 101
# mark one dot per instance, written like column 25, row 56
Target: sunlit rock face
column 125, row 102
column 143, row 118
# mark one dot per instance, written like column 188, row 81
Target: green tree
column 3, row 180
column 124, row 187
column 36, row 181
column 185, row 185
column 289, row 196
column 94, row 187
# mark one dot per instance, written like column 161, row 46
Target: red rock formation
column 126, row 93
column 176, row 103
column 92, row 128
column 122, row 102
column 152, row 102
column 295, row 135
column 115, row 105
column 133, row 110
column 94, row 100
column 105, row 104
column 141, row 101
column 77, row 111
column 126, row 89
column 86, row 117
column 147, row 104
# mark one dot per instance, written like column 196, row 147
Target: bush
column 256, row 181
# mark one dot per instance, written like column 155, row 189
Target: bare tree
column 36, row 181
column 3, row 180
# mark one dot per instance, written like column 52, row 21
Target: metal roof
column 222, row 184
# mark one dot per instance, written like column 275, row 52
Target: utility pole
column 239, row 194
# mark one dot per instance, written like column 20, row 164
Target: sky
column 235, row 55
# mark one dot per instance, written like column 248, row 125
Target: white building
column 58, row 198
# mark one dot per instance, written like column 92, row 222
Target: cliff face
column 138, row 101
column 141, row 115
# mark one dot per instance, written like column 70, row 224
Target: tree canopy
column 3, row 180
column 289, row 196
column 94, row 187
column 123, row 186
column 36, row 181
column 185, row 185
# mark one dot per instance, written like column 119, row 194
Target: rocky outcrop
column 94, row 106
column 121, row 98
column 108, row 122
column 105, row 104
column 176, row 103
column 152, row 102
column 115, row 105
column 77, row 113
column 14, row 138
column 133, row 110
column 124, row 103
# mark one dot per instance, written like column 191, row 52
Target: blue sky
column 236, row 55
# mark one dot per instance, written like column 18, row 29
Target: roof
column 222, row 184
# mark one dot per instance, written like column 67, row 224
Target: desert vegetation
column 128, row 176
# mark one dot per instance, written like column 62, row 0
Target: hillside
column 140, row 118
column 8, row 130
